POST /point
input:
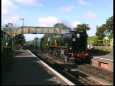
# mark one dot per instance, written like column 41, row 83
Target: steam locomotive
column 77, row 45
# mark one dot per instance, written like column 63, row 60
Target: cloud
column 48, row 21
column 90, row 15
column 75, row 23
column 67, row 8
column 82, row 2
column 92, row 30
column 7, row 7
column 28, row 2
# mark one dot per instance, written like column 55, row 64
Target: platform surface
column 26, row 71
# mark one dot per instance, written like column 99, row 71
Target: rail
column 76, row 77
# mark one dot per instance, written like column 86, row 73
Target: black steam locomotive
column 77, row 42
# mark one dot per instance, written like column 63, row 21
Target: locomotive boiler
column 77, row 42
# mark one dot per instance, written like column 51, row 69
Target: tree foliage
column 19, row 39
column 109, row 27
column 100, row 32
column 93, row 40
column 82, row 28
column 105, row 29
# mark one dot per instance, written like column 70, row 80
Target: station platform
column 27, row 71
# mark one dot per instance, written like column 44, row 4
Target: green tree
column 100, row 32
column 93, row 40
column 105, row 29
column 20, row 39
column 82, row 28
column 109, row 27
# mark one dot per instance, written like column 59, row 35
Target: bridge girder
column 37, row 30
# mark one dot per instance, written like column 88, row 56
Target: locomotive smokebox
column 76, row 40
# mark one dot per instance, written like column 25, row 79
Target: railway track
column 106, row 75
column 79, row 75
column 80, row 80
column 69, row 71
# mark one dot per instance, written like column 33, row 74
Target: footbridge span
column 13, row 31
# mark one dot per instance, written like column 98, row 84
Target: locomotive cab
column 78, row 42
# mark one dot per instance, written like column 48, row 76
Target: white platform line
column 31, row 53
column 68, row 82
column 57, row 74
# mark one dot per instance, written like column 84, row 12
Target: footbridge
column 13, row 31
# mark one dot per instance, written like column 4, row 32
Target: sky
column 49, row 12
column 30, row 37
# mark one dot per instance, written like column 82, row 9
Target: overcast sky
column 49, row 12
